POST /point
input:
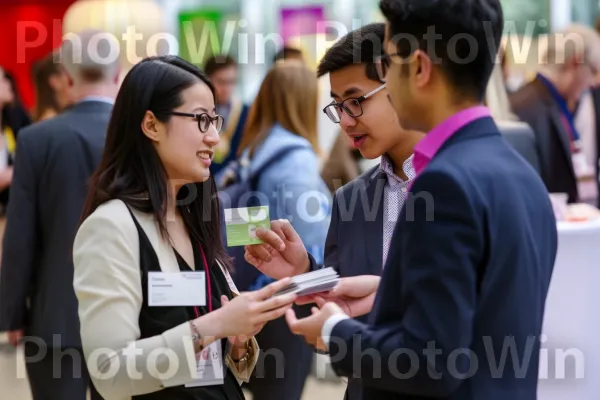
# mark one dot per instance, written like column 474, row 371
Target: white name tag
column 209, row 367
column 167, row 289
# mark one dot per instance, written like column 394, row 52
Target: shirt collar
column 101, row 99
column 387, row 167
column 427, row 148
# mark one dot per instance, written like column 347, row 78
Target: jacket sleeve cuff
column 243, row 370
column 328, row 327
column 179, row 342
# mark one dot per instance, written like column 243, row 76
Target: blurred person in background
column 283, row 120
column 587, row 123
column 548, row 105
column 289, row 53
column 56, row 158
column 223, row 73
column 13, row 118
column 52, row 88
column 365, row 210
column 20, row 115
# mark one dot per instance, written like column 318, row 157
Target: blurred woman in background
column 52, row 88
column 12, row 119
column 280, row 140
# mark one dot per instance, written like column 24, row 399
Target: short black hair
column 288, row 52
column 468, row 34
column 217, row 63
column 361, row 46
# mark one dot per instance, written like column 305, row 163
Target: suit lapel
column 164, row 252
column 563, row 136
column 555, row 113
column 373, row 222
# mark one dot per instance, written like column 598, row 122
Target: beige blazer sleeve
column 107, row 283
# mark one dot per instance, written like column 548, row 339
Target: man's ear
column 150, row 126
column 423, row 66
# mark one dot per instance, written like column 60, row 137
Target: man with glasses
column 365, row 210
column 569, row 155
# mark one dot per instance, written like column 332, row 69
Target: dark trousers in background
column 284, row 362
column 59, row 374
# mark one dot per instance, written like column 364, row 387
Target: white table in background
column 572, row 318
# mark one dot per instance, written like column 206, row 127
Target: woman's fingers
column 273, row 314
column 270, row 290
column 276, row 302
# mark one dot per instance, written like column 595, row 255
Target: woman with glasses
column 160, row 315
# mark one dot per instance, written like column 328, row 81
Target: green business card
column 241, row 224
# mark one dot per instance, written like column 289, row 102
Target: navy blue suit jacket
column 354, row 244
column 468, row 273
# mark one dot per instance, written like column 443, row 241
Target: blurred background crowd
column 238, row 42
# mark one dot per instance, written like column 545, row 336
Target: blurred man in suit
column 477, row 225
column 223, row 72
column 55, row 159
column 548, row 104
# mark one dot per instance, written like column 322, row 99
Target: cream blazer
column 108, row 286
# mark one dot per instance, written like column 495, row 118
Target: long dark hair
column 45, row 97
column 132, row 171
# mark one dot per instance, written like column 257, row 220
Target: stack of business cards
column 313, row 282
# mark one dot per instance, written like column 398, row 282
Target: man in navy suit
column 459, row 309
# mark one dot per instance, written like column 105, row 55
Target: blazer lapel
column 164, row 251
column 555, row 114
column 563, row 136
column 373, row 222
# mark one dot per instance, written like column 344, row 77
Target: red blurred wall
column 29, row 30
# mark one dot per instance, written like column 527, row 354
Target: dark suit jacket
column 236, row 139
column 469, row 268
column 354, row 243
column 55, row 159
column 533, row 104
column 596, row 98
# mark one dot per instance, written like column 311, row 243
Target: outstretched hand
column 354, row 295
column 311, row 327
column 281, row 255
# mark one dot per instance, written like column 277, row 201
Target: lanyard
column 208, row 284
column 562, row 105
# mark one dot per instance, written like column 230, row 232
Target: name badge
column 209, row 367
column 166, row 289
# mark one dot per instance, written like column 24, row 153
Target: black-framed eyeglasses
column 351, row 106
column 382, row 64
column 204, row 120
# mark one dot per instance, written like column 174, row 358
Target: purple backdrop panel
column 300, row 21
